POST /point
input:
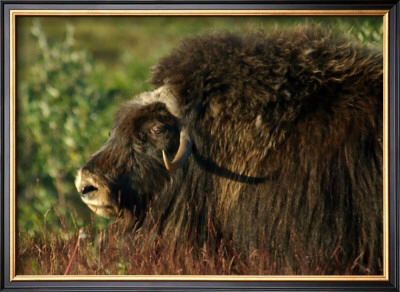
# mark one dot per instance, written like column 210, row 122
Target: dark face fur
column 123, row 176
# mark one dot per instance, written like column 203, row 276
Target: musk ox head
column 148, row 131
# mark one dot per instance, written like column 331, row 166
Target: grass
column 114, row 252
column 111, row 251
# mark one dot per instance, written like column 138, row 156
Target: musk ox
column 274, row 141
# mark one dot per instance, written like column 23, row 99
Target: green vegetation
column 72, row 75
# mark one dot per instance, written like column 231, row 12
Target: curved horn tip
column 182, row 154
column 167, row 164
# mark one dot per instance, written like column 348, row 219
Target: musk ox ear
column 185, row 147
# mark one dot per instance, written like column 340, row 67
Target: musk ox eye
column 157, row 130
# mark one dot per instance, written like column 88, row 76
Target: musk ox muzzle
column 95, row 194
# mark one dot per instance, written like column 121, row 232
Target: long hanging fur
column 287, row 153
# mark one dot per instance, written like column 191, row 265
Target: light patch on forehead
column 144, row 98
column 163, row 94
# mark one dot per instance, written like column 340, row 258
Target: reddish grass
column 91, row 251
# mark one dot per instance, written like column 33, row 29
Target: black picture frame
column 392, row 283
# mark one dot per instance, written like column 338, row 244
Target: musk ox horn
column 165, row 94
column 185, row 147
column 162, row 94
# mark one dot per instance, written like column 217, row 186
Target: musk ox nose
column 86, row 190
column 85, row 183
column 95, row 193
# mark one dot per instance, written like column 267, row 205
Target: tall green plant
column 60, row 110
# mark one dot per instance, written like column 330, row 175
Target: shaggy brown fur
column 287, row 149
